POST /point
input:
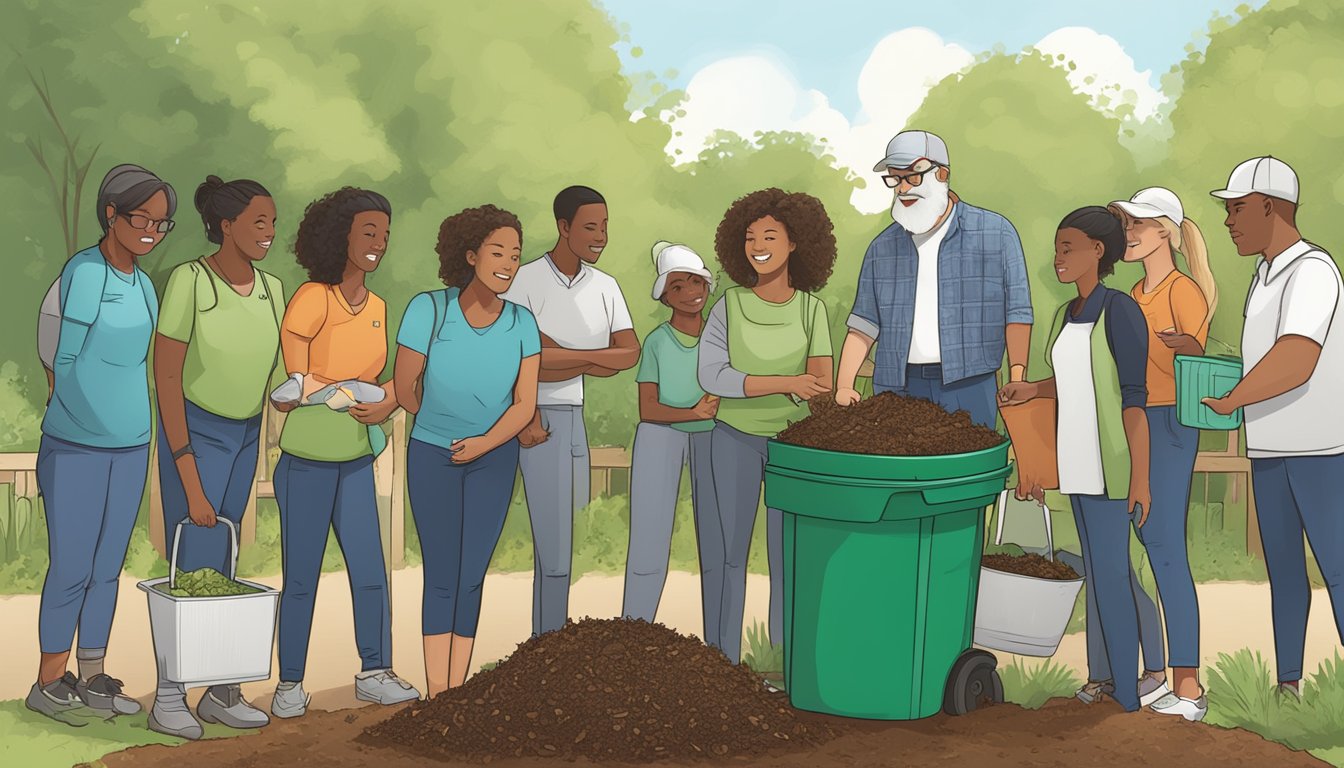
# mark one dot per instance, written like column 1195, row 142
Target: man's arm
column 622, row 354
column 1288, row 365
column 1018, row 315
column 863, row 325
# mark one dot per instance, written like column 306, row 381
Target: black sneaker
column 60, row 701
column 103, row 692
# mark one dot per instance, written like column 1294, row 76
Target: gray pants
column 655, row 482
column 555, row 481
column 739, row 471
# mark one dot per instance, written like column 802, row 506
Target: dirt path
column 1064, row 734
column 1235, row 615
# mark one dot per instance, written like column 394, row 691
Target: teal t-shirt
column 669, row 360
column 470, row 373
column 100, row 395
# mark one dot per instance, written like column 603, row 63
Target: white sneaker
column 1193, row 710
column 1152, row 689
column 384, row 687
column 289, row 703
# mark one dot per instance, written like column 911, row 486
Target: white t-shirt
column 579, row 314
column 924, row 340
column 1298, row 294
column 1079, row 435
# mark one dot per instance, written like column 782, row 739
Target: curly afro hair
column 466, row 231
column 806, row 224
column 323, row 243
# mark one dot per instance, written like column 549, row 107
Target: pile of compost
column 889, row 424
column 1030, row 565
column 608, row 690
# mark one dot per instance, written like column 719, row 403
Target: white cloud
column 751, row 93
column 1103, row 71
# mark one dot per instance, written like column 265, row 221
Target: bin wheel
column 973, row 682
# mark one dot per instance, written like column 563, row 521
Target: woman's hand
column 201, row 511
column 469, row 449
column 1018, row 392
column 373, row 413
column 846, row 396
column 1142, row 497
column 1028, row 488
column 804, row 386
column 1181, row 343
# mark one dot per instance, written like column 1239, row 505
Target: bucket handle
column 1045, row 514
column 177, row 538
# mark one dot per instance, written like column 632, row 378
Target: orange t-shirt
column 320, row 335
column 1176, row 303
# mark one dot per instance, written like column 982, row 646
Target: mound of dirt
column 889, row 424
column 609, row 690
column 1029, row 565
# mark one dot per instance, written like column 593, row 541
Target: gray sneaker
column 104, row 692
column 292, row 702
column 1289, row 691
column 384, row 687
column 60, row 701
column 224, row 704
column 1096, row 691
column 171, row 716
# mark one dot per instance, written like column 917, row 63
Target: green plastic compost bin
column 1201, row 377
column 881, row 566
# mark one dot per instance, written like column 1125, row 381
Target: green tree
column 1271, row 82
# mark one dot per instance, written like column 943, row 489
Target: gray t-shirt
column 49, row 325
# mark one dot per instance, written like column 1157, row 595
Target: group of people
column 492, row 367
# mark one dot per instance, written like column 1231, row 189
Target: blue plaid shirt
column 982, row 287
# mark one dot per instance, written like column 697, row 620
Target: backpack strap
column 440, row 300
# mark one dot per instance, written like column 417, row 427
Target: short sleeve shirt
column 233, row 341
column 322, row 336
column 470, row 373
column 1297, row 294
column 668, row 359
column 1176, row 304
column 582, row 313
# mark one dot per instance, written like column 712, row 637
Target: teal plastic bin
column 1201, row 377
column 881, row 567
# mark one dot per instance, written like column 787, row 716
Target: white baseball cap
column 1268, row 176
column 1153, row 203
column 669, row 258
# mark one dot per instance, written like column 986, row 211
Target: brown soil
column 604, row 689
column 888, row 424
column 1064, row 733
column 1029, row 565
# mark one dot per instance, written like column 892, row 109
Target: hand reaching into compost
column 1018, row 392
column 804, row 386
column 846, row 396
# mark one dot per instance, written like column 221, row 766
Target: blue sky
column 825, row 50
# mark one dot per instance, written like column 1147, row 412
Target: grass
column 764, row 658
column 1031, row 686
column 1242, row 695
column 30, row 740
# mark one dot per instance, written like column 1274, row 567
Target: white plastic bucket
column 201, row 641
column 1023, row 614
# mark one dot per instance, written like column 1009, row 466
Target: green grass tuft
column 1241, row 691
column 1032, row 686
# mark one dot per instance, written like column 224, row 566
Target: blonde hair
column 1188, row 241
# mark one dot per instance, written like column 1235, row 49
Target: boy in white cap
column 676, row 418
column 1293, row 364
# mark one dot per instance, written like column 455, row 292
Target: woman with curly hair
column 463, row 453
column 1098, row 355
column 334, row 333
column 766, row 350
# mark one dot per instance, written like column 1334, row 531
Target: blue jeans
column 92, row 496
column 1150, row 624
column 226, row 458
column 1171, row 463
column 314, row 497
column 1103, row 529
column 974, row 395
column 1293, row 496
column 459, row 512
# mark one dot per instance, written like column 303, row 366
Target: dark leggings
column 459, row 512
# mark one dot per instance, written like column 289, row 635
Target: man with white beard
column 944, row 287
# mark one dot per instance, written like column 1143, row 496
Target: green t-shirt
column 767, row 339
column 233, row 341
column 669, row 360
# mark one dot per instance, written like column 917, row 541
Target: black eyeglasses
column 139, row 221
column 914, row 178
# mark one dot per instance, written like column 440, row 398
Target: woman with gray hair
column 94, row 453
